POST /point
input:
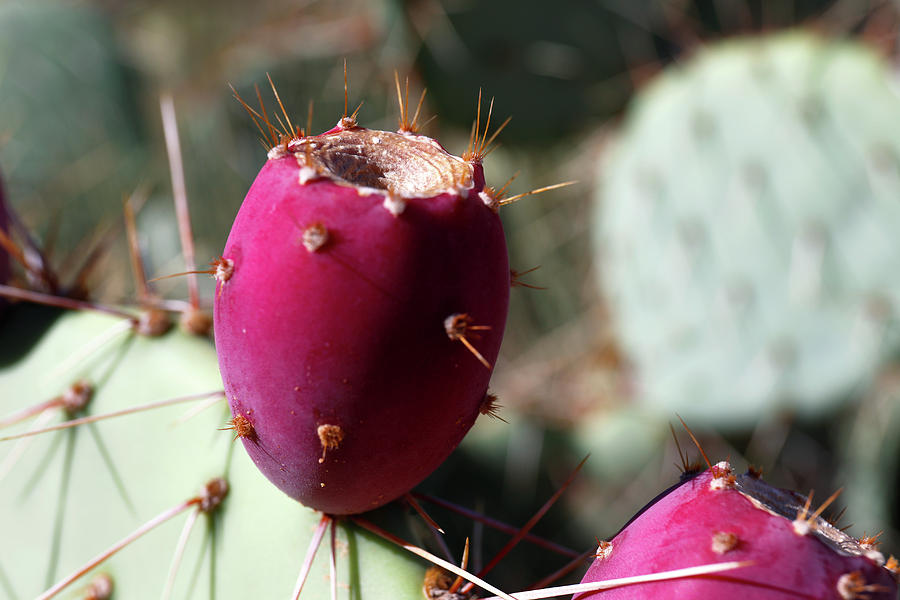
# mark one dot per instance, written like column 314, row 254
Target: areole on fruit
column 349, row 254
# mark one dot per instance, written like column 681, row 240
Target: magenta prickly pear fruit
column 4, row 255
column 721, row 517
column 360, row 305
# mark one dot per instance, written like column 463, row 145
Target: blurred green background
column 80, row 130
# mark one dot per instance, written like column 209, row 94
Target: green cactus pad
column 747, row 228
column 74, row 493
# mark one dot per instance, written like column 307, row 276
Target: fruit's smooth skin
column 719, row 517
column 360, row 267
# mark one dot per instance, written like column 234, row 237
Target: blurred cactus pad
column 69, row 116
column 747, row 225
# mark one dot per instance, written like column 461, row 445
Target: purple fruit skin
column 353, row 335
column 676, row 532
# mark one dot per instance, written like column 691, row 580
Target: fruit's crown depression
column 403, row 165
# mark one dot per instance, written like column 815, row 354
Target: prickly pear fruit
column 360, row 304
column 718, row 516
column 4, row 255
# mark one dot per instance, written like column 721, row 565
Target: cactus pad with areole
column 73, row 493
